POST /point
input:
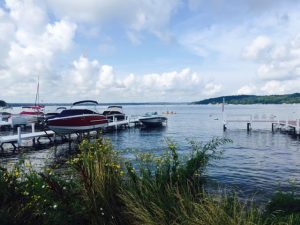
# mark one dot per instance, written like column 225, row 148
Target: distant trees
column 2, row 103
column 253, row 99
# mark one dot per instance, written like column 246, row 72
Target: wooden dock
column 16, row 140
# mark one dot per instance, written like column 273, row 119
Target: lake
column 256, row 163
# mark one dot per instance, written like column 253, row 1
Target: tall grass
column 104, row 188
column 99, row 171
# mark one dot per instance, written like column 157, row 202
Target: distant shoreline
column 253, row 99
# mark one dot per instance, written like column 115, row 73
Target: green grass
column 104, row 188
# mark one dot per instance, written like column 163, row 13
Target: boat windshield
column 151, row 113
column 73, row 112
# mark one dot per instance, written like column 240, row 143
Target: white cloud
column 247, row 90
column 211, row 89
column 257, row 47
column 91, row 79
column 133, row 15
column 274, row 87
column 31, row 48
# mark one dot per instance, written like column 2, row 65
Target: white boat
column 114, row 112
column 153, row 119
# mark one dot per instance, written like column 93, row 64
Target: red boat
column 77, row 120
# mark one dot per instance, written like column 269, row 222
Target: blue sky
column 148, row 50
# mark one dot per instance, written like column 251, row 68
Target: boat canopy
column 85, row 101
column 113, row 110
column 114, row 106
column 61, row 108
column 74, row 112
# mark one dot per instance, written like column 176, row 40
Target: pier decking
column 288, row 124
column 16, row 139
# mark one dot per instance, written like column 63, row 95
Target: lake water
column 257, row 162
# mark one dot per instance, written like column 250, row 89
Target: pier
column 16, row 140
column 292, row 125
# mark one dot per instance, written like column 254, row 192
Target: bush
column 101, row 188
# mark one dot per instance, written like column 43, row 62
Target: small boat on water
column 153, row 119
column 76, row 120
column 114, row 111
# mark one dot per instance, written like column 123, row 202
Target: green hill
column 253, row 99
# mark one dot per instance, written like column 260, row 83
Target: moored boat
column 153, row 120
column 54, row 114
column 114, row 111
column 33, row 113
column 76, row 120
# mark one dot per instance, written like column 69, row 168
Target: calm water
column 257, row 162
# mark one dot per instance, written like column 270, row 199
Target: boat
column 33, row 114
column 114, row 111
column 77, row 120
column 54, row 114
column 152, row 119
column 6, row 112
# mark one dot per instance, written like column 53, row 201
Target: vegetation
column 2, row 103
column 253, row 99
column 103, row 188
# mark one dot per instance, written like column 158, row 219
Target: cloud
column 132, row 15
column 257, row 47
column 274, row 87
column 90, row 79
column 211, row 89
column 32, row 47
column 278, row 62
column 247, row 90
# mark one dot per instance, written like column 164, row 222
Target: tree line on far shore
column 253, row 99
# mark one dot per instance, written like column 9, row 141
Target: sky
column 147, row 50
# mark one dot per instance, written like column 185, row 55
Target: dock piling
column 19, row 137
column 248, row 126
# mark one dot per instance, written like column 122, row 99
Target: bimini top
column 114, row 106
column 85, row 101
column 74, row 112
column 113, row 110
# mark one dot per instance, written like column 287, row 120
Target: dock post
column 19, row 137
column 32, row 127
column 248, row 126
column 115, row 122
column 224, row 127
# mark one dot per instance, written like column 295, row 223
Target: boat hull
column 153, row 121
column 77, row 124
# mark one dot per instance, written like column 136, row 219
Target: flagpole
column 223, row 115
